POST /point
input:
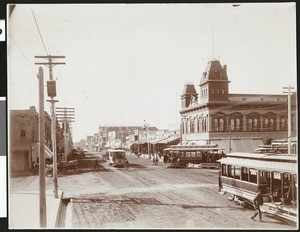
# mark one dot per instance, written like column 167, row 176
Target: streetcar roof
column 283, row 167
column 193, row 149
column 263, row 156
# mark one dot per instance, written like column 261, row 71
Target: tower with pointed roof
column 188, row 95
column 214, row 83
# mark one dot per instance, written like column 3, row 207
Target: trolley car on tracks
column 180, row 156
column 116, row 157
column 243, row 174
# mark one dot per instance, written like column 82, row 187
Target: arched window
column 223, row 91
column 204, row 124
column 250, row 124
column 218, row 91
column 238, row 124
column 283, row 124
column 232, row 126
column 213, row 91
column 216, row 124
column 271, row 125
column 192, row 126
column 198, row 125
column 266, row 126
column 255, row 124
column 221, row 124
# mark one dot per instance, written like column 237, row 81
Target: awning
column 261, row 165
column 241, row 145
column 156, row 140
column 169, row 140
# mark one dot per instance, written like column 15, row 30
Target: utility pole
column 43, row 215
column 50, row 64
column 230, row 126
column 65, row 116
column 289, row 117
column 147, row 127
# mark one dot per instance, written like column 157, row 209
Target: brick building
column 214, row 115
column 24, row 137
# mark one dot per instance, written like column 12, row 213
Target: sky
column 127, row 64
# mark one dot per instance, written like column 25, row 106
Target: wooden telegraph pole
column 66, row 116
column 52, row 93
column 43, row 217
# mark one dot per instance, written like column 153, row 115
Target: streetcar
column 243, row 174
column 179, row 156
column 116, row 157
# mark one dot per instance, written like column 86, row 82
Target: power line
column 39, row 32
column 22, row 53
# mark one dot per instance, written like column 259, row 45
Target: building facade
column 236, row 122
column 24, row 138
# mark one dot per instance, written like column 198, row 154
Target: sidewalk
column 24, row 209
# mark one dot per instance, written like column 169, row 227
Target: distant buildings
column 214, row 115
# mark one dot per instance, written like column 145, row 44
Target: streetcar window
column 253, row 175
column 263, row 177
column 245, row 174
column 224, row 170
column 237, row 172
column 230, row 171
column 188, row 154
column 193, row 154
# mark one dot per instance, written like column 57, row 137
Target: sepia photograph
column 152, row 116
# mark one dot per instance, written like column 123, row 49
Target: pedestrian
column 154, row 163
column 97, row 166
column 156, row 160
column 257, row 202
column 126, row 164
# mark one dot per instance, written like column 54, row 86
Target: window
column 232, row 124
column 244, row 173
column 255, row 124
column 253, row 175
column 192, row 126
column 237, row 173
column 213, row 91
column 221, row 124
column 283, row 124
column 198, row 125
column 224, row 170
column 230, row 171
column 250, row 124
column 271, row 125
column 238, row 124
column 23, row 130
column 223, row 91
column 266, row 124
column 218, row 91
column 216, row 124
column 264, row 177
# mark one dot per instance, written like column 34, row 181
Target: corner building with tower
column 236, row 122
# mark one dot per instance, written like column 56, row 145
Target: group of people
column 285, row 199
column 155, row 160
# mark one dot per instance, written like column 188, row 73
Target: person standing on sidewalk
column 257, row 202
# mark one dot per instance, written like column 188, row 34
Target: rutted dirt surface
column 148, row 196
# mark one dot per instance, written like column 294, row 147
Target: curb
column 68, row 223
